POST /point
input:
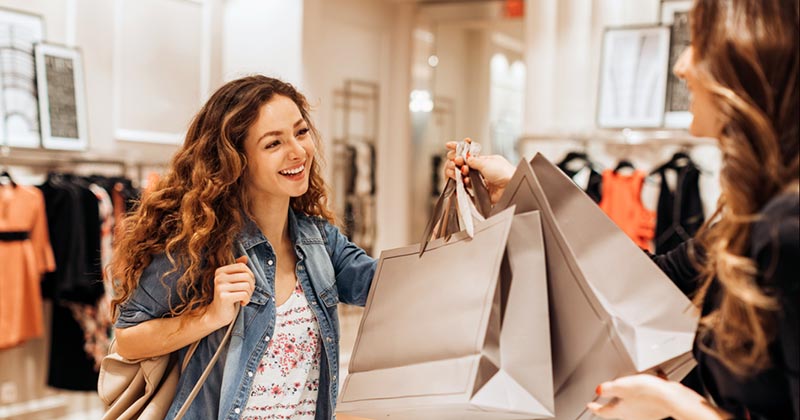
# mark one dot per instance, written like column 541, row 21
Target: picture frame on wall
column 633, row 77
column 675, row 14
column 19, row 109
column 62, row 97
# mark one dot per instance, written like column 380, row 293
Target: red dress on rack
column 25, row 254
column 622, row 202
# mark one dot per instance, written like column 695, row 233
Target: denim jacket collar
column 300, row 233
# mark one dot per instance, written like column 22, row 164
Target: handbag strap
column 207, row 371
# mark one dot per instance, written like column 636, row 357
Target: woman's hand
column 233, row 283
column 496, row 170
column 650, row 397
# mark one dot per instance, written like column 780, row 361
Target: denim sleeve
column 151, row 298
column 353, row 267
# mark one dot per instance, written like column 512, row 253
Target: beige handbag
column 145, row 388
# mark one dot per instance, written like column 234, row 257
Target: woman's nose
column 681, row 67
column 297, row 150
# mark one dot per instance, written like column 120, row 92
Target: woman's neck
column 272, row 218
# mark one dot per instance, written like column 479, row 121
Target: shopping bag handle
column 445, row 213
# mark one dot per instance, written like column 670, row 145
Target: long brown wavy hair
column 746, row 54
column 196, row 210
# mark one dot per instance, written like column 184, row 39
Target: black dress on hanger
column 594, row 187
column 680, row 212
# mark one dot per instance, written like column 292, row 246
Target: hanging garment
column 365, row 169
column 25, row 254
column 95, row 319
column 592, row 186
column 73, row 213
column 74, row 223
column 680, row 212
column 622, row 202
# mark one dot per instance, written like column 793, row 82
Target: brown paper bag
column 612, row 311
column 459, row 332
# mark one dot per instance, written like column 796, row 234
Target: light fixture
column 420, row 101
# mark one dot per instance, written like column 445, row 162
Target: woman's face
column 706, row 121
column 280, row 151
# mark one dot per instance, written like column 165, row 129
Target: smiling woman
column 242, row 218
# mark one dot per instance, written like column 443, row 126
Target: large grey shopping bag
column 612, row 311
column 460, row 331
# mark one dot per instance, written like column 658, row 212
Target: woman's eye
column 272, row 144
column 302, row 132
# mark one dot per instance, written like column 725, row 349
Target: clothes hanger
column 7, row 176
column 622, row 164
column 4, row 152
column 679, row 160
column 575, row 156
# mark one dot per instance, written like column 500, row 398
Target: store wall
column 142, row 86
column 563, row 47
column 263, row 36
column 370, row 41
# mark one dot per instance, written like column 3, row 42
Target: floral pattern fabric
column 286, row 383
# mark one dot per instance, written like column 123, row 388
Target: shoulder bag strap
column 207, row 371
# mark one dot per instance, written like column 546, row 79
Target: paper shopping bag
column 459, row 332
column 612, row 311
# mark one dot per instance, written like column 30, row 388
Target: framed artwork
column 676, row 15
column 633, row 77
column 62, row 101
column 19, row 111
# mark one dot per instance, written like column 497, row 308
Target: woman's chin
column 299, row 193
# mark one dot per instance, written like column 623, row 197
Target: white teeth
column 293, row 171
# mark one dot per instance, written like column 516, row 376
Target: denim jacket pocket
column 259, row 296
column 330, row 296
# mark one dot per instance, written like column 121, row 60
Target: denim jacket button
column 236, row 410
column 329, row 339
column 250, row 374
column 270, row 262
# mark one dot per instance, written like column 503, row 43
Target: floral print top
column 286, row 382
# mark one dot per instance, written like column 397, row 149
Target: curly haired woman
column 742, row 268
column 246, row 183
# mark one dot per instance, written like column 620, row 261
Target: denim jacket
column 330, row 270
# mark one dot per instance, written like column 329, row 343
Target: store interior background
column 516, row 84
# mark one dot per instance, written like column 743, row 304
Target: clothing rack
column 51, row 160
column 625, row 137
column 356, row 113
column 357, row 97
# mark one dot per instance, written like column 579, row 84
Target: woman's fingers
column 238, row 276
column 606, row 411
column 450, row 169
column 234, row 297
column 233, row 268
